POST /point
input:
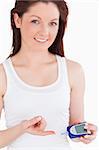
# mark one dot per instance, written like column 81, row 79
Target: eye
column 54, row 24
column 35, row 21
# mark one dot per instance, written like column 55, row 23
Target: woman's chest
column 38, row 75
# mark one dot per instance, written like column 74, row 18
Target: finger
column 91, row 127
column 34, row 121
column 44, row 133
column 37, row 124
column 86, row 141
column 43, row 124
column 90, row 137
column 92, row 130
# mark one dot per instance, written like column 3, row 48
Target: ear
column 17, row 20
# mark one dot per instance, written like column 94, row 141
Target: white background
column 81, row 45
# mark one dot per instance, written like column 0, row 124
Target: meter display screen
column 80, row 129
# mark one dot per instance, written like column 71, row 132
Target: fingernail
column 86, row 136
column 85, row 127
column 89, row 132
column 39, row 118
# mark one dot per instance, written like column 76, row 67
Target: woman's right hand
column 36, row 126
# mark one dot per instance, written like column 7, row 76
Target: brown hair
column 22, row 6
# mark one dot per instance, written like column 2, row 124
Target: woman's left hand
column 91, row 128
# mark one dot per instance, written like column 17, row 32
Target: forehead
column 49, row 10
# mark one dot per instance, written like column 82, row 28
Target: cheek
column 54, row 34
column 52, row 37
column 27, row 32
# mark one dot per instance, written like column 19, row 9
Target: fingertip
column 85, row 127
column 86, row 136
column 81, row 138
column 39, row 118
column 89, row 132
column 52, row 132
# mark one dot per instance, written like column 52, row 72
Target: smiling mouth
column 41, row 40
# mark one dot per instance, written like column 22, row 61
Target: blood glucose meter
column 77, row 130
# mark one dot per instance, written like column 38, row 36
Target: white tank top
column 23, row 101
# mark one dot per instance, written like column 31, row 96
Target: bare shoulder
column 2, row 80
column 75, row 72
column 74, row 66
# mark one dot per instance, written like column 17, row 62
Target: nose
column 44, row 30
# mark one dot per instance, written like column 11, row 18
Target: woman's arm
column 28, row 126
column 34, row 126
column 77, row 84
column 7, row 136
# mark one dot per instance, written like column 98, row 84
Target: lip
column 41, row 40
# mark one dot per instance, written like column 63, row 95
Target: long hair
column 22, row 6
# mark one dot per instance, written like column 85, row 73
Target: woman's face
column 39, row 26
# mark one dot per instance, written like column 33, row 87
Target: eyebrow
column 40, row 18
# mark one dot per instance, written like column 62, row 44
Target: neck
column 34, row 56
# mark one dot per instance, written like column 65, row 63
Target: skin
column 41, row 28
column 29, row 60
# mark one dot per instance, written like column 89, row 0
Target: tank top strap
column 7, row 71
column 64, row 71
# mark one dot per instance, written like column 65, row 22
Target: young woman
column 41, row 91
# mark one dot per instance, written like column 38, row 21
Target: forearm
column 9, row 135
